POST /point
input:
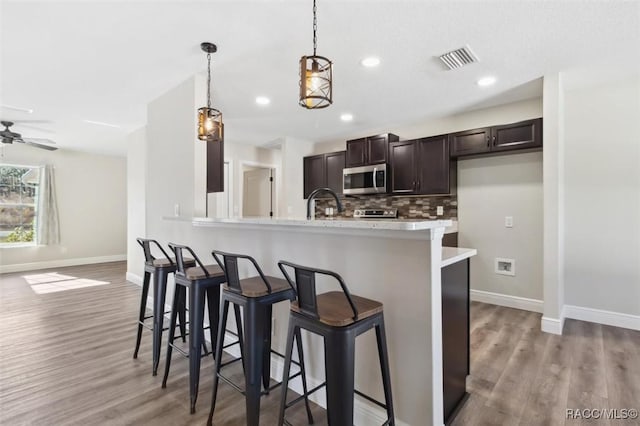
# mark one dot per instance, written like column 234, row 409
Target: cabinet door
column 433, row 165
column 403, row 166
column 525, row 134
column 334, row 164
column 378, row 147
column 470, row 142
column 215, row 167
column 314, row 174
column 356, row 152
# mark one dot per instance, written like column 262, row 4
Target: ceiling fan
column 10, row 137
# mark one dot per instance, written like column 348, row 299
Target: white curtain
column 47, row 221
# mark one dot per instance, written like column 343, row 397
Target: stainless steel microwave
column 365, row 180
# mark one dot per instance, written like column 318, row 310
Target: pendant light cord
column 315, row 28
column 209, row 80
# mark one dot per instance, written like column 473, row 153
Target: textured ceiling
column 104, row 61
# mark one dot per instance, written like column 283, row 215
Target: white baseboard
column 599, row 316
column 552, row 325
column 20, row 267
column 134, row 278
column 516, row 302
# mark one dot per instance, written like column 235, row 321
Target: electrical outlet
column 330, row 211
column 508, row 221
column 327, row 211
column 505, row 266
column 439, row 210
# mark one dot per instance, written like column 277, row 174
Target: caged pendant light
column 316, row 73
column 210, row 126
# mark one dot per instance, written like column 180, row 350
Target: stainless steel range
column 375, row 213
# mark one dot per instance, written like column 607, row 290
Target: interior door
column 257, row 193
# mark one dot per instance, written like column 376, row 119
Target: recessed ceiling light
column 370, row 62
column 486, row 81
column 102, row 123
column 346, row 117
column 263, row 100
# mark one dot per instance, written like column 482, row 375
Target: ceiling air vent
column 458, row 58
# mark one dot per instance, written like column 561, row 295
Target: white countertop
column 451, row 255
column 395, row 225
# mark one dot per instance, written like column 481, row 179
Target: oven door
column 365, row 180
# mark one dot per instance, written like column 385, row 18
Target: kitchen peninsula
column 395, row 262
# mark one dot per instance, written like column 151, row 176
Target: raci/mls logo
column 602, row 413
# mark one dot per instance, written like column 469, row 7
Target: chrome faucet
column 316, row 192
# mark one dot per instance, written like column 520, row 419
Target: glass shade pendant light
column 210, row 126
column 316, row 73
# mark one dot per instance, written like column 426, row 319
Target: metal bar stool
column 203, row 282
column 339, row 317
column 160, row 268
column 256, row 295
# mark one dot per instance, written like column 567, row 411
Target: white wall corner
column 599, row 316
column 506, row 300
column 134, row 278
column 552, row 325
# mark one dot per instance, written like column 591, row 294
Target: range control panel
column 375, row 213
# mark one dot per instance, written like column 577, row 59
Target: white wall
column 91, row 192
column 292, row 203
column 136, row 199
column 489, row 189
column 602, row 179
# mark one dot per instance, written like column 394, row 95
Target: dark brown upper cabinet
column 215, row 166
column 422, row 166
column 369, row 150
column 508, row 137
column 323, row 171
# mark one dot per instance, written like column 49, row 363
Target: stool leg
column 213, row 306
column 159, row 294
column 196, row 336
column 339, row 355
column 182, row 315
column 224, row 309
column 286, row 370
column 384, row 367
column 254, row 345
column 236, row 309
column 177, row 296
column 266, row 355
column 303, row 374
column 143, row 307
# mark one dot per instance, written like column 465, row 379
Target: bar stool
column 256, row 295
column 203, row 282
column 160, row 268
column 339, row 317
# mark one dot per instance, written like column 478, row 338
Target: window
column 18, row 203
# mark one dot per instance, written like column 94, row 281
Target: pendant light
column 210, row 126
column 315, row 76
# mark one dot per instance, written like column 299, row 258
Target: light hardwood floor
column 66, row 359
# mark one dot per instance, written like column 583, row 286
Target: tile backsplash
column 409, row 207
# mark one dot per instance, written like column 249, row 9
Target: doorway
column 258, row 191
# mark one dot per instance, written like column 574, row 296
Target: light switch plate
column 508, row 221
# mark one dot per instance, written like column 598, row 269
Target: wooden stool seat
column 164, row 262
column 198, row 273
column 255, row 287
column 334, row 308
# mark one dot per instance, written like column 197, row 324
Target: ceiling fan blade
column 38, row 143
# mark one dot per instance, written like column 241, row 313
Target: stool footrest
column 368, row 398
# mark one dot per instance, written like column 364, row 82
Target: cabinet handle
column 494, row 141
column 488, row 142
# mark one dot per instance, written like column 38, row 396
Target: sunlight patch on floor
column 53, row 282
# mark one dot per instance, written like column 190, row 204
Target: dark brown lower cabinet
column 455, row 336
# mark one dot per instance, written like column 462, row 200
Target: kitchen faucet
column 316, row 192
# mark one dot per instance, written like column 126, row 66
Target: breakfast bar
column 397, row 263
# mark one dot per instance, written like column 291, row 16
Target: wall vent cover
column 459, row 58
